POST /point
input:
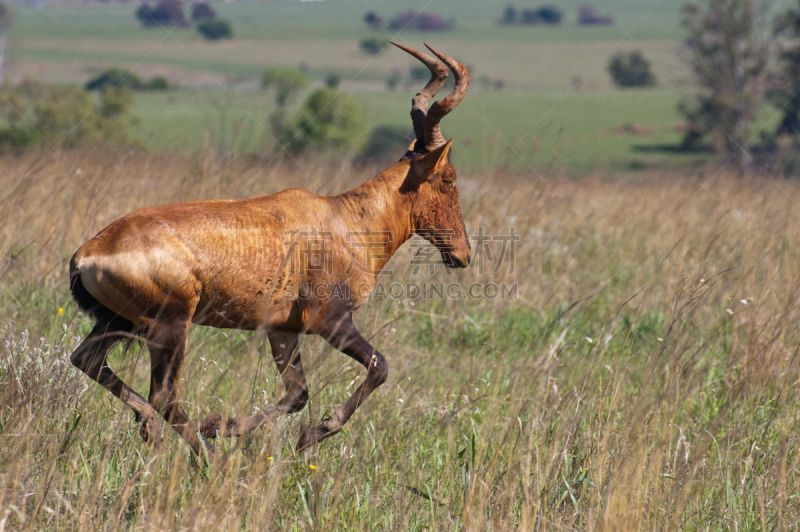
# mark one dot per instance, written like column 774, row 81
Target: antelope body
column 226, row 263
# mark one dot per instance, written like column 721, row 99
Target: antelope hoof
column 312, row 435
column 210, row 426
column 150, row 430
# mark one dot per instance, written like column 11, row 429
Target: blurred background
column 574, row 87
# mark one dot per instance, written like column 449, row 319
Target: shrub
column 287, row 82
column 374, row 20
column 373, row 45
column 550, row 15
column 202, row 11
column 164, row 13
column 631, row 70
column 114, row 77
column 215, row 29
column 509, row 15
column 393, row 80
column 158, row 83
column 63, row 116
column 17, row 137
column 333, row 80
column 385, row 144
column 330, row 122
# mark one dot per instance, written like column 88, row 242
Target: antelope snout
column 457, row 259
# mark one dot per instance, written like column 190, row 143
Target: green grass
column 576, row 132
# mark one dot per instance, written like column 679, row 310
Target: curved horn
column 433, row 135
column 419, row 104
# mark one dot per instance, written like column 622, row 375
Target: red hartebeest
column 224, row 263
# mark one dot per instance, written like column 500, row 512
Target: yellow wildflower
column 60, row 311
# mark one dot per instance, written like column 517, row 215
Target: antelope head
column 436, row 214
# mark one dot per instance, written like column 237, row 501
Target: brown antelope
column 224, row 263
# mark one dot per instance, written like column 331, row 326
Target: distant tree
column 548, row 14
column 215, row 29
column 730, row 57
column 286, row 82
column 374, row 20
column 6, row 18
column 163, row 13
column 157, row 83
column 330, row 122
column 393, row 80
column 631, row 70
column 373, row 45
column 202, row 11
column 529, row 16
column 333, row 80
column 385, row 144
column 509, row 15
column 551, row 15
column 785, row 90
column 114, row 77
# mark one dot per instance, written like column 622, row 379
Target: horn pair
column 426, row 122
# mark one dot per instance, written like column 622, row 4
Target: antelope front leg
column 346, row 338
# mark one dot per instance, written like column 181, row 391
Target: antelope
column 224, row 263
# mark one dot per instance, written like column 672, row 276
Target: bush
column 373, row 45
column 393, row 80
column 63, row 116
column 158, row 83
column 330, row 122
column 386, row 144
column 333, row 80
column 631, row 70
column 374, row 20
column 549, row 14
column 17, row 137
column 203, row 11
column 215, row 29
column 287, row 82
column 509, row 15
column 164, row 13
column 114, row 77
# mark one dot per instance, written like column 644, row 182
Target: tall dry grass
column 645, row 378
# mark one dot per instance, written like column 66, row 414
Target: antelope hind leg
column 91, row 358
column 284, row 351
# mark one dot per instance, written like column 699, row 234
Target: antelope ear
column 411, row 146
column 427, row 166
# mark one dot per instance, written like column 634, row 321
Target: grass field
column 646, row 377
